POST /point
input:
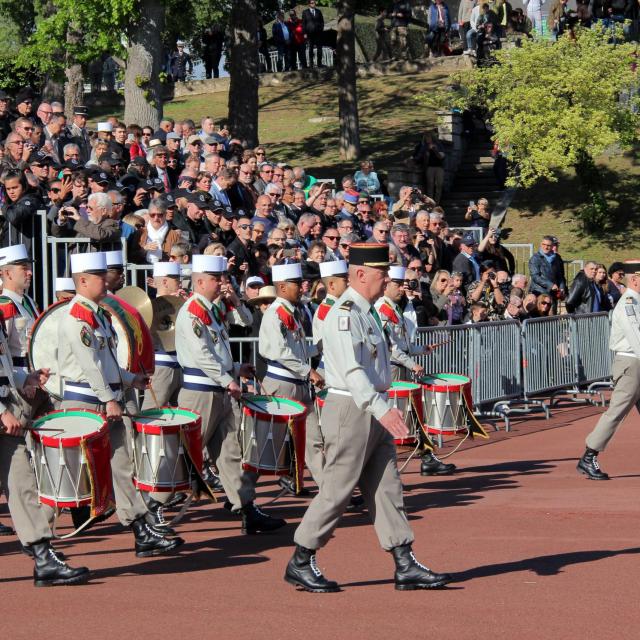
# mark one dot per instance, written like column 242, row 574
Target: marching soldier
column 93, row 379
column 359, row 426
column 167, row 377
column 282, row 343
column 625, row 371
column 210, row 383
column 402, row 352
column 18, row 309
column 65, row 289
column 18, row 404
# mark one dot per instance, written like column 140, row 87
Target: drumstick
column 439, row 344
column 150, row 387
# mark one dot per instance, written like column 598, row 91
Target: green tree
column 556, row 106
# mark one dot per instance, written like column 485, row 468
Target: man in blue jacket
column 547, row 272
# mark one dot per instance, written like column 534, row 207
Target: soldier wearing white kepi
column 115, row 271
column 210, row 384
column 93, row 379
column 358, row 427
column 625, row 371
column 65, row 288
column 17, row 406
column 403, row 364
column 282, row 343
column 18, row 309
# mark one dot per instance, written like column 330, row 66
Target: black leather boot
column 588, row 465
column 411, row 575
column 28, row 551
column 212, row 480
column 5, row 530
column 150, row 542
column 302, row 571
column 256, row 521
column 156, row 518
column 431, row 465
column 50, row 571
column 176, row 499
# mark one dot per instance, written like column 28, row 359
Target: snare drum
column 73, row 463
column 167, row 449
column 269, row 424
column 444, row 403
column 407, row 398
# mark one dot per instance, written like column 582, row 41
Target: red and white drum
column 407, row 398
column 167, row 449
column 72, row 459
column 444, row 403
column 271, row 429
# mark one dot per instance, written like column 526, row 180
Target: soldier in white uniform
column 210, row 384
column 19, row 310
column 17, row 407
column 282, row 343
column 64, row 289
column 93, row 379
column 625, row 371
column 358, row 426
column 403, row 350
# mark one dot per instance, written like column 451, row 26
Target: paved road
column 539, row 552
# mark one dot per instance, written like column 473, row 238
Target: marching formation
column 108, row 407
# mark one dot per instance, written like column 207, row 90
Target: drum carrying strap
column 475, row 428
column 426, row 443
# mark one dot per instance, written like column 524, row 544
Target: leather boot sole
column 252, row 531
column 421, row 585
column 62, row 582
column 297, row 583
column 448, row 472
column 175, row 543
column 590, row 476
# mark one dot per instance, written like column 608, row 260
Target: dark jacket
column 190, row 228
column 312, row 25
column 21, row 216
column 545, row 275
column 462, row 264
column 582, row 296
column 243, row 254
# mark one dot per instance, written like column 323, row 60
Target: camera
column 413, row 285
column 492, row 276
column 416, row 196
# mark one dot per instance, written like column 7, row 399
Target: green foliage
column 554, row 106
column 366, row 37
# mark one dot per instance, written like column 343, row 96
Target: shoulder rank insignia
column 287, row 319
column 323, row 309
column 197, row 327
column 389, row 313
column 85, row 336
column 84, row 313
column 198, row 309
column 8, row 308
column 346, row 305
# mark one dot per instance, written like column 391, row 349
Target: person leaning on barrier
column 546, row 270
column 624, row 340
column 21, row 207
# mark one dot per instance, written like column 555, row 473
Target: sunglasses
column 55, row 190
column 344, row 246
column 332, row 237
column 245, row 226
column 156, row 215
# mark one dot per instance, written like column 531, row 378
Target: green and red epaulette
column 198, row 309
column 389, row 313
column 84, row 313
column 324, row 308
column 286, row 317
column 8, row 308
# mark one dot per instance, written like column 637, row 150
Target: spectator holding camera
column 478, row 214
column 487, row 291
column 491, row 249
column 546, row 270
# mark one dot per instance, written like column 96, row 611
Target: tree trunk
column 243, row 89
column 347, row 91
column 73, row 89
column 142, row 87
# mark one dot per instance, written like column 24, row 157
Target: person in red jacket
column 298, row 41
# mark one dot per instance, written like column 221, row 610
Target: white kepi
column 333, row 268
column 284, row 272
column 89, row 262
column 164, row 269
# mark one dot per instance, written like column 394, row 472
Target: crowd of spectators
column 187, row 188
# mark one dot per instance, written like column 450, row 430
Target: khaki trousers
column 220, row 439
column 314, row 445
column 626, row 394
column 129, row 504
column 18, row 479
column 359, row 451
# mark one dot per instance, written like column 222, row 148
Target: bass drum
column 135, row 345
column 43, row 345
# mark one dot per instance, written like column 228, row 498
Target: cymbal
column 165, row 310
column 137, row 297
